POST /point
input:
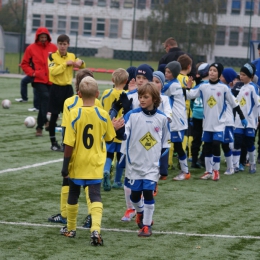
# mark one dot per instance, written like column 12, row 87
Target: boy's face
column 213, row 73
column 140, row 80
column 244, row 78
column 157, row 83
column 222, row 79
column 63, row 47
column 168, row 74
column 146, row 101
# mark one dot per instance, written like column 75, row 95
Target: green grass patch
column 193, row 219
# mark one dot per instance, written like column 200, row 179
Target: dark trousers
column 197, row 131
column 24, row 91
column 42, row 91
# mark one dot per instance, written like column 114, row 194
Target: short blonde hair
column 120, row 76
column 151, row 89
column 88, row 87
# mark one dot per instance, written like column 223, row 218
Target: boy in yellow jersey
column 186, row 82
column 119, row 78
column 84, row 157
column 70, row 103
column 61, row 64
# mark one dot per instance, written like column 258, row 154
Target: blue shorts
column 245, row 131
column 177, row 136
column 210, row 136
column 113, row 147
column 229, row 135
column 140, row 185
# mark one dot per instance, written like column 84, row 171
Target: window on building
column 49, row 1
column 87, row 28
column 36, row 22
column 233, row 36
column 61, row 24
column 222, row 6
column 102, row 3
column 88, row 2
column 129, row 3
column 113, row 32
column 249, row 8
column 236, row 6
column 246, row 36
column 74, row 25
column 141, row 4
column 37, row 1
column 220, row 35
column 49, row 22
column 75, row 2
column 115, row 3
column 155, row 4
column 139, row 30
column 100, row 29
column 64, row 2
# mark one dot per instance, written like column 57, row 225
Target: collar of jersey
column 149, row 112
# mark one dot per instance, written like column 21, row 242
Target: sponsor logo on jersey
column 242, row 102
column 148, row 141
column 211, row 101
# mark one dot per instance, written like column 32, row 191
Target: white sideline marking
column 132, row 231
column 30, row 166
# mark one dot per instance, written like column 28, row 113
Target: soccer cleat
column 229, row 171
column 139, row 219
column 206, row 176
column 87, row 222
column 252, row 168
column 57, row 219
column 117, row 185
column 96, row 239
column 163, row 178
column 65, row 232
column 155, row 192
column 38, row 132
column 20, row 100
column 33, row 109
column 215, row 176
column 56, row 147
column 146, row 231
column 182, row 176
column 241, row 167
column 106, row 182
column 129, row 214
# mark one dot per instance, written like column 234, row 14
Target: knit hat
column 203, row 70
column 161, row 68
column 174, row 67
column 159, row 75
column 131, row 72
column 249, row 69
column 146, row 71
column 219, row 67
column 255, row 79
column 229, row 75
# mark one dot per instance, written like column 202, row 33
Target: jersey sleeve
column 70, row 133
column 231, row 99
column 54, row 67
column 65, row 115
column 110, row 132
column 166, row 135
column 193, row 93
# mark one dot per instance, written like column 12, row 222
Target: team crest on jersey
column 148, row 141
column 242, row 102
column 246, row 93
column 211, row 102
column 157, row 129
column 218, row 94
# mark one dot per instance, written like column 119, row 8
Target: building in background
column 104, row 28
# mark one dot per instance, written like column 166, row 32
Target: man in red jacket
column 35, row 65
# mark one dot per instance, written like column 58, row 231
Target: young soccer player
column 70, row 103
column 214, row 94
column 147, row 138
column 165, row 107
column 179, row 123
column 84, row 157
column 119, row 78
column 248, row 100
column 61, row 64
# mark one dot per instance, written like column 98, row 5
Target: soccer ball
column 6, row 103
column 29, row 122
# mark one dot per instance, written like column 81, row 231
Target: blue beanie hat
column 131, row 72
column 146, row 71
column 229, row 74
column 159, row 75
column 161, row 68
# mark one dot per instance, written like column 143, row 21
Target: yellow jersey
column 89, row 129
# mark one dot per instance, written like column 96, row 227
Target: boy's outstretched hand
column 126, row 103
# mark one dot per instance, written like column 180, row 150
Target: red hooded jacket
column 35, row 59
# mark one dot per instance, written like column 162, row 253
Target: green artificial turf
column 193, row 219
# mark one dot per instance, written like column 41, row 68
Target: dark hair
column 185, row 61
column 80, row 75
column 63, row 38
column 150, row 88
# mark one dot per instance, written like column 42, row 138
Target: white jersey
column 174, row 91
column 249, row 102
column 165, row 106
column 214, row 97
column 134, row 95
column 146, row 136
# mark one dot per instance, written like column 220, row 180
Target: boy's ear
column 97, row 94
column 113, row 80
column 79, row 93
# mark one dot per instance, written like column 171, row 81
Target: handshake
column 122, row 102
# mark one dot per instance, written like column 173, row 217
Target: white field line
column 30, row 166
column 132, row 231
